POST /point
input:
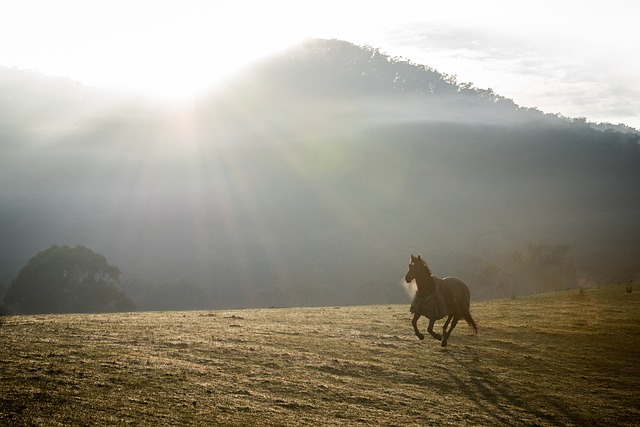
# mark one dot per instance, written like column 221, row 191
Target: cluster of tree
column 62, row 279
column 65, row 279
column 538, row 267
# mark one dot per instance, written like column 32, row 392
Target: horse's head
column 417, row 267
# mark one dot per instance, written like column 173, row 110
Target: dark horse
column 437, row 298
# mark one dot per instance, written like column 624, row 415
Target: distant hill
column 312, row 174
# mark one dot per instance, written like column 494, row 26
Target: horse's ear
column 412, row 258
column 420, row 257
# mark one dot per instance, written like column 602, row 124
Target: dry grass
column 569, row 358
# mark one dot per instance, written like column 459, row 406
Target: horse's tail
column 470, row 321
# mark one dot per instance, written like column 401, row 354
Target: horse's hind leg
column 446, row 333
column 444, row 328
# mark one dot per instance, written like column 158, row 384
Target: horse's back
column 458, row 290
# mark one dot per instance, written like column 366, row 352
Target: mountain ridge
column 308, row 177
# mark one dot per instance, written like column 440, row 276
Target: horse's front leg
column 414, row 322
column 444, row 329
column 430, row 330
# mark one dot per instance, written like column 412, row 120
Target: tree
column 549, row 267
column 67, row 280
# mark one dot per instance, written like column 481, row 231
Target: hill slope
column 309, row 175
column 567, row 358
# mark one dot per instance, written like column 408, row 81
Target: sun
column 152, row 48
column 180, row 69
column 175, row 76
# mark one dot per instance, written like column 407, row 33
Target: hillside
column 565, row 358
column 311, row 176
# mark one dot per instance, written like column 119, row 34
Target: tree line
column 64, row 279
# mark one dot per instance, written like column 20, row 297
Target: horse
column 437, row 298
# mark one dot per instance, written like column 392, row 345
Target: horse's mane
column 424, row 264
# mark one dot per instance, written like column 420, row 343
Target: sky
column 574, row 58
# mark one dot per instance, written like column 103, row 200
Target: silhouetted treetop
column 342, row 67
column 65, row 279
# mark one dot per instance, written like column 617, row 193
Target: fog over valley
column 309, row 179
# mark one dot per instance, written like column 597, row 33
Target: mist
column 309, row 180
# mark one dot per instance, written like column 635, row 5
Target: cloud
column 533, row 71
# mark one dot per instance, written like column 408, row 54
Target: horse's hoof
column 421, row 336
column 444, row 343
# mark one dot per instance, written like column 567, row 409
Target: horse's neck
column 426, row 284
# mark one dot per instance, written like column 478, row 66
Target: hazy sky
column 576, row 58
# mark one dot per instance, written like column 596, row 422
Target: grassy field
column 567, row 358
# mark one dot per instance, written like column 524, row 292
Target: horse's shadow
column 499, row 400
